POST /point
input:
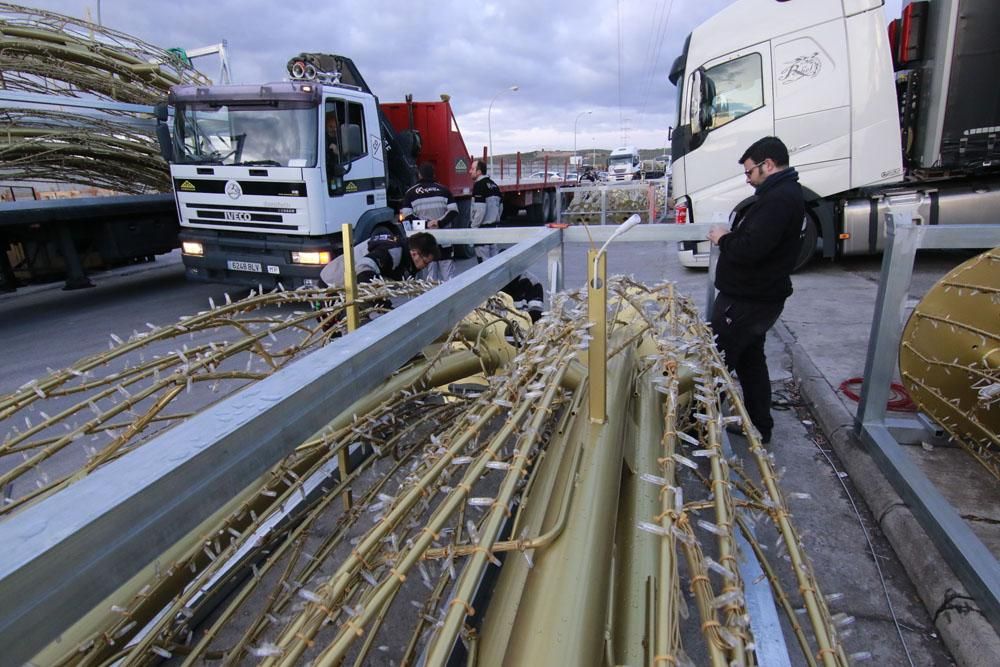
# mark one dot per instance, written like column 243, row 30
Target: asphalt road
column 44, row 327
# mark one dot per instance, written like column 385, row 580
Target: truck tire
column 536, row 213
column 550, row 206
column 810, row 234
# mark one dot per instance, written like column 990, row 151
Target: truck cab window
column 345, row 140
column 739, row 89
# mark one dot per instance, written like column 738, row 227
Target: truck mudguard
column 823, row 210
column 366, row 223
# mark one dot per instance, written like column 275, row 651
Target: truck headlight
column 311, row 257
column 192, row 248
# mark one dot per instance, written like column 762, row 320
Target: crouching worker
column 387, row 254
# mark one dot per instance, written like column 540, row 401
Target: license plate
column 243, row 266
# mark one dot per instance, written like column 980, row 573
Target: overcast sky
column 564, row 56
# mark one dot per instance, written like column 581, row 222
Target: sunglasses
column 750, row 170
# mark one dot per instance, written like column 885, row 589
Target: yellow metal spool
column 949, row 356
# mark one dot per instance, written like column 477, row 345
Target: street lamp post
column 575, row 122
column 489, row 123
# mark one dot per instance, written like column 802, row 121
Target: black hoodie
column 758, row 254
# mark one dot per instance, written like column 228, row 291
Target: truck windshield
column 620, row 159
column 240, row 135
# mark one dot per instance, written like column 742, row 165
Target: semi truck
column 623, row 164
column 866, row 111
column 265, row 175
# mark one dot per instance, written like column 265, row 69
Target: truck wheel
column 810, row 234
column 550, row 206
column 536, row 213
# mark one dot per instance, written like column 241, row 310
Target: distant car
column 602, row 175
column 572, row 176
column 541, row 176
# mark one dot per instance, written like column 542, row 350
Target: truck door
column 353, row 184
column 730, row 103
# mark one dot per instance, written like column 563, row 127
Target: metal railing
column 974, row 564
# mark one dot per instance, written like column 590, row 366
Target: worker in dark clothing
column 756, row 257
column 430, row 201
column 387, row 254
column 487, row 207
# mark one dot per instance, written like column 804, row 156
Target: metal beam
column 115, row 521
column 577, row 234
column 10, row 98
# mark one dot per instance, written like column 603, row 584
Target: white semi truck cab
column 623, row 164
column 265, row 175
column 840, row 89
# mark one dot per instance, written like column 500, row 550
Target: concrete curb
column 964, row 629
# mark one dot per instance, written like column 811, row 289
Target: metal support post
column 597, row 313
column 8, row 282
column 713, row 261
column 75, row 276
column 353, row 322
column 350, row 278
column 604, row 204
column 556, row 261
column 902, row 241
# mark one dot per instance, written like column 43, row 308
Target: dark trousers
column 740, row 327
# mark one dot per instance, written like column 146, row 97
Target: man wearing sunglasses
column 756, row 257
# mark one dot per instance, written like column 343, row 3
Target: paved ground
column 826, row 324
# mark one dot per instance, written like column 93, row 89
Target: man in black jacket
column 756, row 257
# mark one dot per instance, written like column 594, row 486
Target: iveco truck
column 265, row 175
column 865, row 109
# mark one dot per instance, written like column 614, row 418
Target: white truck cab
column 623, row 164
column 817, row 74
column 265, row 175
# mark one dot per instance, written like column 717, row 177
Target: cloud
column 563, row 55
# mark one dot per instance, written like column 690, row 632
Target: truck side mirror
column 696, row 109
column 706, row 110
column 160, row 112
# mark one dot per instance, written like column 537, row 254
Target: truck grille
column 255, row 217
